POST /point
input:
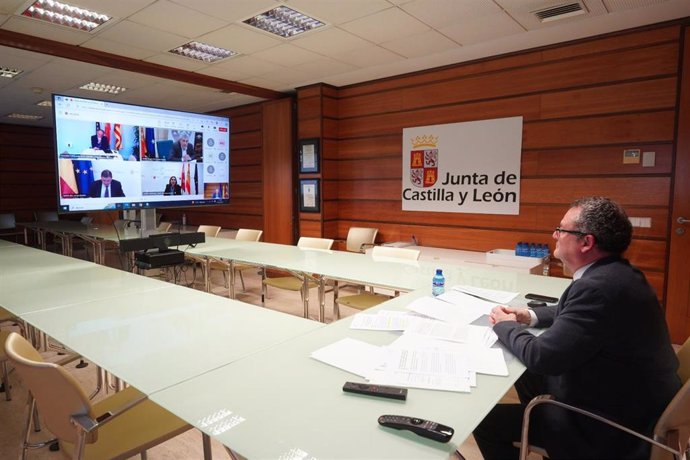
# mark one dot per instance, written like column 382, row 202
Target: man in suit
column 606, row 349
column 106, row 187
column 100, row 141
column 181, row 150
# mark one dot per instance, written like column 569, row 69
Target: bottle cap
column 439, row 271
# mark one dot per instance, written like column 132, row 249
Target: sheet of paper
column 351, row 355
column 489, row 294
column 465, row 333
column 467, row 301
column 431, row 369
column 480, row 359
column 445, row 311
column 384, row 320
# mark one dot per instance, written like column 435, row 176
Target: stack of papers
column 439, row 349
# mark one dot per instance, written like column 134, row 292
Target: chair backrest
column 683, row 354
column 164, row 227
column 209, row 230
column 46, row 216
column 57, row 393
column 358, row 238
column 395, row 253
column 674, row 423
column 314, row 243
column 7, row 221
column 246, row 234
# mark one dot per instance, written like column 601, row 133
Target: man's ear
column 588, row 243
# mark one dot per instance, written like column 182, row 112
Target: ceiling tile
column 287, row 55
column 337, row 11
column 12, row 6
column 368, row 55
column 232, row 74
column 43, row 29
column 249, row 65
column 131, row 33
column 331, row 40
column 323, row 67
column 440, row 13
column 484, row 28
column 171, row 17
column 230, row 10
column 385, row 25
column 177, row 62
column 241, row 39
column 426, row 43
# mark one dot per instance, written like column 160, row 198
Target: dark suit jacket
column 176, row 190
column 176, row 152
column 115, row 189
column 103, row 145
column 607, row 350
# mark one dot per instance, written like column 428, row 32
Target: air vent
column 563, row 11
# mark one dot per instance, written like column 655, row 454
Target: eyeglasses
column 560, row 230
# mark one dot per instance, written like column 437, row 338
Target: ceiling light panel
column 284, row 22
column 66, row 15
column 103, row 88
column 202, row 52
column 23, row 116
column 9, row 73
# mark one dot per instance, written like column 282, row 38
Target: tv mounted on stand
column 112, row 156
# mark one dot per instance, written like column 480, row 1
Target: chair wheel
column 54, row 447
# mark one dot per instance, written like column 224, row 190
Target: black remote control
column 424, row 428
column 543, row 298
column 376, row 390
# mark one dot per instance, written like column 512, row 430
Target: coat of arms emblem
column 424, row 161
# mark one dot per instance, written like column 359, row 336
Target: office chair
column 671, row 439
column 124, row 424
column 42, row 236
column 359, row 239
column 300, row 283
column 208, row 230
column 8, row 226
column 365, row 300
column 243, row 234
column 164, row 227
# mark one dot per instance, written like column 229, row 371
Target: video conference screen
column 113, row 156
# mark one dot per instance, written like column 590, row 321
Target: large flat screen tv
column 113, row 156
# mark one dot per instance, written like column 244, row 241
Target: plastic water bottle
column 438, row 284
column 184, row 220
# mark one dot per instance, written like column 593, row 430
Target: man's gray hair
column 606, row 220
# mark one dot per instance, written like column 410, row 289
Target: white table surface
column 294, row 404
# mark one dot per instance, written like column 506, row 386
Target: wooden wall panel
column 583, row 103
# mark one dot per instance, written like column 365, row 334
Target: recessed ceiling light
column 23, row 116
column 66, row 15
column 45, row 103
column 103, row 88
column 9, row 73
column 202, row 52
column 284, row 21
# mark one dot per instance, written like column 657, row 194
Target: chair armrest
column 549, row 399
column 87, row 424
column 364, row 246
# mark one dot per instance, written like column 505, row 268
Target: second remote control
column 424, row 428
column 376, row 390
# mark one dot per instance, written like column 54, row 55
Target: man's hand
column 502, row 313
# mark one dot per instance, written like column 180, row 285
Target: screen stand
column 148, row 222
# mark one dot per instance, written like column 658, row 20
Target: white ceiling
column 363, row 40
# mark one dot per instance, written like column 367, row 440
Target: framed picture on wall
column 309, row 156
column 309, row 199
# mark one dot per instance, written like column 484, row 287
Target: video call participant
column 100, row 141
column 606, row 349
column 106, row 187
column 181, row 150
column 172, row 188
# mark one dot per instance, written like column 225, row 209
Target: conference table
column 243, row 374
